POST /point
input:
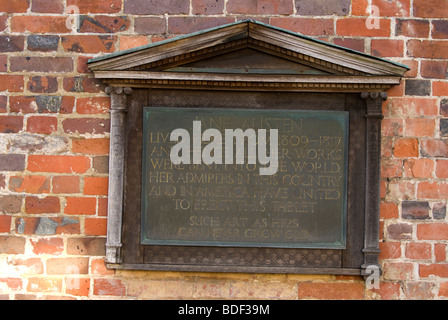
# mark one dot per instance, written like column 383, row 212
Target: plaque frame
column 189, row 71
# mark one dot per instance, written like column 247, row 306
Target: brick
column 47, row 6
column 66, row 184
column 42, row 43
column 12, row 245
column 23, row 104
column 358, row 27
column 51, row 246
column 44, row 125
column 439, row 210
column 427, row 49
column 96, row 146
column 440, row 88
column 390, row 250
column 432, row 190
column 397, row 8
column 434, row 69
column 56, row 266
column 16, row 6
column 3, row 63
column 43, row 84
column 98, row 267
column 444, row 107
column 415, row 210
column 387, row 47
column 86, row 246
column 101, row 164
column 102, row 207
column 412, row 28
column 29, row 184
column 5, row 223
column 322, row 7
column 103, row 24
column 12, row 283
column 440, row 252
column 128, row 42
column 444, row 127
column 443, row 291
column 10, row 204
column 351, row 43
column 93, row 105
column 182, row 25
column 434, row 148
column 406, row 147
column 398, row 271
column 388, row 291
column 101, row 6
column 420, row 127
column 207, row 6
column 95, row 226
column 150, row 25
column 337, row 291
column 11, row 83
column 438, row 270
column 12, row 43
column 156, row 7
column 44, row 284
column 3, row 103
column 418, row 168
column 80, row 206
column 11, row 124
column 391, row 168
column 430, row 9
column 418, row 87
column 260, row 7
column 12, row 162
column 47, row 225
column 86, row 125
column 58, row 164
column 41, row 64
column 84, row 84
column 77, row 286
column 388, row 210
column 109, row 287
column 55, row 104
column 3, row 21
column 419, row 290
column 440, row 29
column 39, row 24
column 96, row 186
column 432, row 231
column 441, row 168
column 82, row 64
column 89, row 43
column 399, row 231
column 307, row 26
column 36, row 205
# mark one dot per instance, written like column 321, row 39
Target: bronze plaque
column 244, row 178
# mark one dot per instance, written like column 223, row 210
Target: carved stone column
column 116, row 172
column 374, row 116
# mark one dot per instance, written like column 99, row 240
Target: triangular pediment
column 251, row 52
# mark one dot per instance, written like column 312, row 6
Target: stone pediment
column 247, row 55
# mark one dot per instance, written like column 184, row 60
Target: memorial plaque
column 244, row 178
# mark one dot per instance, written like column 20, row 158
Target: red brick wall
column 54, row 127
